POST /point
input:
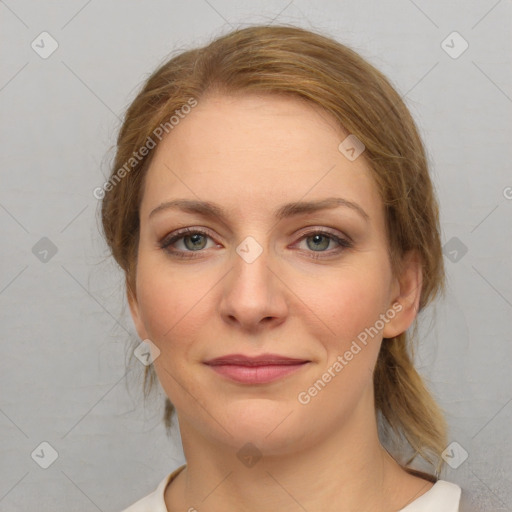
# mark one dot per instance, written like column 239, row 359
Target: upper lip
column 261, row 360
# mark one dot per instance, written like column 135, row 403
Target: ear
column 136, row 316
column 405, row 297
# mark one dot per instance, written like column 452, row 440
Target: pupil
column 317, row 240
column 195, row 240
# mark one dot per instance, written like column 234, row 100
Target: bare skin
column 250, row 155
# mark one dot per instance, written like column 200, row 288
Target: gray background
column 66, row 332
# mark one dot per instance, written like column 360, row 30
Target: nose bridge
column 251, row 273
column 251, row 291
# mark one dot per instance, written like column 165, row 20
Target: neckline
column 167, row 481
column 438, row 484
column 427, row 494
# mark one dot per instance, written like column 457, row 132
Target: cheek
column 351, row 308
column 173, row 310
column 169, row 301
column 352, row 305
column 348, row 302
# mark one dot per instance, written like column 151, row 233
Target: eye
column 194, row 240
column 318, row 241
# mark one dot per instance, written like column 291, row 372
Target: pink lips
column 255, row 370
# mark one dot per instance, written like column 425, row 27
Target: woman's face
column 255, row 283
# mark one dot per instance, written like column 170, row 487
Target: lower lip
column 256, row 374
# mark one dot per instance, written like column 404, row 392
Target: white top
column 442, row 497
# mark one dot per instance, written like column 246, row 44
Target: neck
column 347, row 471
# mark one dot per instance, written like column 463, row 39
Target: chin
column 270, row 425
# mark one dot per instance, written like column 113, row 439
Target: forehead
column 255, row 152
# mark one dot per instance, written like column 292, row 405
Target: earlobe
column 409, row 285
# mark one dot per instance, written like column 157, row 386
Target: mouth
column 256, row 370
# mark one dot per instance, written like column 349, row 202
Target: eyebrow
column 208, row 209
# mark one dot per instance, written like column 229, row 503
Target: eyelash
column 169, row 240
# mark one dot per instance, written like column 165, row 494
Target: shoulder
column 442, row 497
column 155, row 501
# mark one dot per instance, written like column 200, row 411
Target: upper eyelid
column 183, row 232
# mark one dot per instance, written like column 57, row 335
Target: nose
column 253, row 296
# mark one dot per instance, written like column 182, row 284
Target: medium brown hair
column 297, row 62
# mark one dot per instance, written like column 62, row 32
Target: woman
column 271, row 207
